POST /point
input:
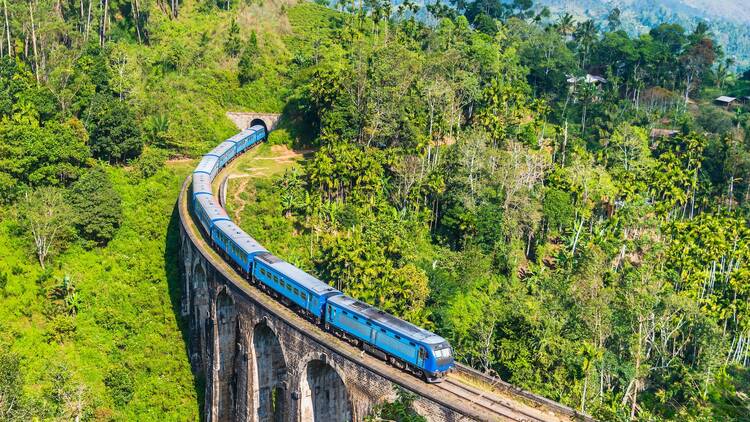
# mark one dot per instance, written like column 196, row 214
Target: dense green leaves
column 114, row 135
column 97, row 206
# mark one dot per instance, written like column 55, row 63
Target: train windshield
column 443, row 353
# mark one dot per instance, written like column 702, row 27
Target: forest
column 562, row 200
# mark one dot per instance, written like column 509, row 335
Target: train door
column 421, row 356
column 373, row 334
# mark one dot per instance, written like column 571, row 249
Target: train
column 398, row 342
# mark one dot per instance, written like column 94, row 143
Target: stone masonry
column 257, row 359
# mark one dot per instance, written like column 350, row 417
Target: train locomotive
column 400, row 343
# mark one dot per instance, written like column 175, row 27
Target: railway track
column 473, row 393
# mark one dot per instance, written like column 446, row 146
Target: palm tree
column 565, row 24
column 585, row 34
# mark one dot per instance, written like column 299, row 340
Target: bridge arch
column 324, row 396
column 199, row 299
column 226, row 328
column 270, row 375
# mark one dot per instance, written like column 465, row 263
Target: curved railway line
column 465, row 390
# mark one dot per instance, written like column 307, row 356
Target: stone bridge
column 262, row 362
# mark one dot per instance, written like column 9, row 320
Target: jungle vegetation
column 468, row 177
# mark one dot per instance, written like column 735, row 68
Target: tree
column 399, row 410
column 233, row 45
column 97, row 206
column 248, row 68
column 34, row 156
column 48, row 218
column 115, row 136
column 12, row 403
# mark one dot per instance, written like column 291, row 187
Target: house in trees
column 589, row 79
column 657, row 133
column 726, row 102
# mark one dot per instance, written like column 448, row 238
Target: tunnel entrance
column 259, row 122
column 324, row 395
column 269, row 389
column 226, row 314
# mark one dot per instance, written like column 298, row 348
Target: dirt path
column 281, row 158
column 237, row 199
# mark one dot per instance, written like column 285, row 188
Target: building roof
column 725, row 99
column 663, row 133
column 589, row 78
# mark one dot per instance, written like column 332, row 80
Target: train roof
column 238, row 236
column 304, row 279
column 387, row 320
column 201, row 183
column 222, row 148
column 256, row 128
column 207, row 164
column 212, row 207
column 241, row 135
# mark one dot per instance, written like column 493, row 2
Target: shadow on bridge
column 172, row 262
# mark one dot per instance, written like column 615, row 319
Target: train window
column 412, row 343
column 303, row 295
column 355, row 317
column 296, row 292
column 382, row 330
column 276, row 279
column 369, row 323
column 422, row 353
column 329, row 309
column 398, row 337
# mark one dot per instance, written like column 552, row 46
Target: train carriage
column 225, row 151
column 209, row 212
column 243, row 139
column 236, row 244
column 424, row 352
column 201, row 184
column 209, row 165
column 301, row 288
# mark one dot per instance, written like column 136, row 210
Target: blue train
column 394, row 340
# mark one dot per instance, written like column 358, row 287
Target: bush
column 97, row 206
column 114, row 134
column 150, row 162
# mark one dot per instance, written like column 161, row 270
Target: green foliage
column 121, row 386
column 150, row 162
column 399, row 410
column 115, row 136
column 248, row 69
column 12, row 403
column 32, row 156
column 97, row 206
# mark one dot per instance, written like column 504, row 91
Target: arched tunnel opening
column 324, row 395
column 259, row 122
column 270, row 374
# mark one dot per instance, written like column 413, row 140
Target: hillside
column 729, row 19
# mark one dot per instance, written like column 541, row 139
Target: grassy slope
column 129, row 290
column 128, row 316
